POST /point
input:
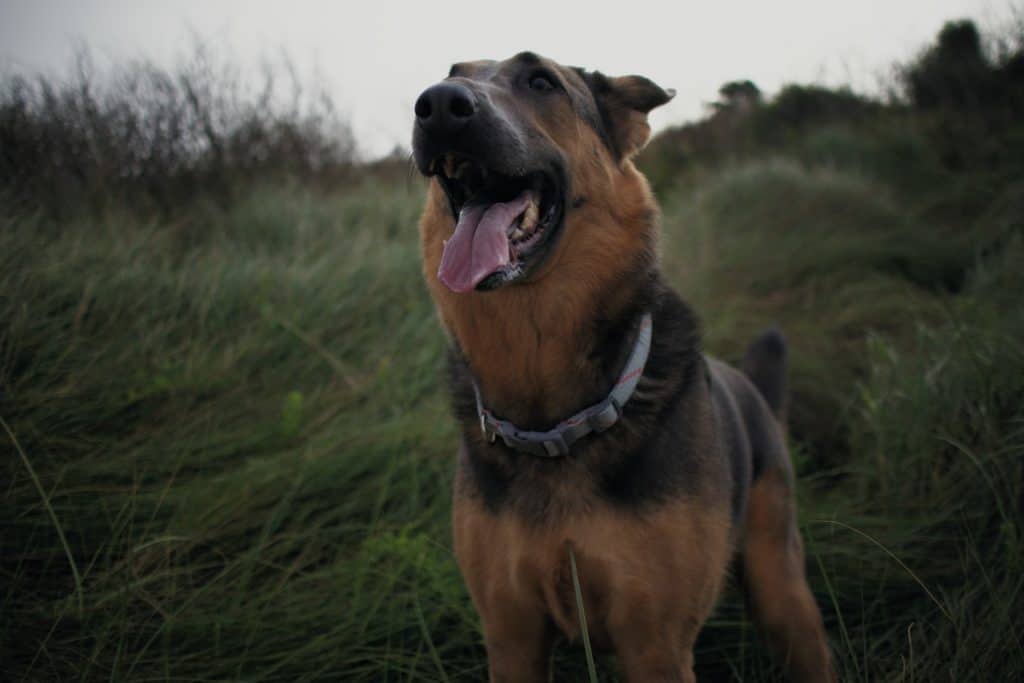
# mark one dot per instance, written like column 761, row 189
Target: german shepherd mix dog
column 592, row 425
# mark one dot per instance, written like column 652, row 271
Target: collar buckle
column 556, row 447
column 604, row 418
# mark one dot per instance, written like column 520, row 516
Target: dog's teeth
column 529, row 221
column 518, row 234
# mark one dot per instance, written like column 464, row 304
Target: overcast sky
column 375, row 56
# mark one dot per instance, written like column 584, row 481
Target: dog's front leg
column 518, row 644
column 660, row 654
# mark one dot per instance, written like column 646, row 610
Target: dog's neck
column 543, row 350
column 538, row 362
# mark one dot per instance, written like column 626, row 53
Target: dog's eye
column 541, row 82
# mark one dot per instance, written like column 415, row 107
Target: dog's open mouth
column 504, row 224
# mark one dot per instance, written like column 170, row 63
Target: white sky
column 375, row 56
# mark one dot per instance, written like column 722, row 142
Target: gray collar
column 597, row 418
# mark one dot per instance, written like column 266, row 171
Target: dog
column 593, row 429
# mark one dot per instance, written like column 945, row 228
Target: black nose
column 444, row 109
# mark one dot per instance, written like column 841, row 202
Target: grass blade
column 53, row 517
column 584, row 634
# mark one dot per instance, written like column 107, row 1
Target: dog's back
column 749, row 408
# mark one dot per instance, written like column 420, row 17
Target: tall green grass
column 229, row 452
column 237, row 424
column 907, row 368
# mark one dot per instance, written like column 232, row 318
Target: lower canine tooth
column 529, row 221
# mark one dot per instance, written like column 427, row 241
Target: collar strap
column 556, row 442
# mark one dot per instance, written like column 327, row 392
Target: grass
column 254, row 430
column 907, row 407
column 230, row 453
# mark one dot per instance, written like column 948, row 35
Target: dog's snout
column 445, row 108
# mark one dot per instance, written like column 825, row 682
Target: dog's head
column 529, row 160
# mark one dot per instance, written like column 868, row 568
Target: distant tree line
column 966, row 98
column 155, row 139
column 955, row 73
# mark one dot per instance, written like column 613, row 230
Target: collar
column 555, row 442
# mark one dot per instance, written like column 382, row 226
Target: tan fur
column 499, row 333
column 773, row 559
column 649, row 582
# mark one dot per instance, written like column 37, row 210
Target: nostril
column 423, row 108
column 462, row 107
column 445, row 108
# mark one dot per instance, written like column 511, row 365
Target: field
column 228, row 453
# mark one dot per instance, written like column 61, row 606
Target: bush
column 155, row 138
column 953, row 72
column 825, row 254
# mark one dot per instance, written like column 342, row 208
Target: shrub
column 156, row 138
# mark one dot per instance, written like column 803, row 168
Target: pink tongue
column 480, row 243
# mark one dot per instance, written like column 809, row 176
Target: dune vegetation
column 227, row 452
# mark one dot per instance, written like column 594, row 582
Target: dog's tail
column 765, row 365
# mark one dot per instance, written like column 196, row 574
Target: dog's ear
column 623, row 103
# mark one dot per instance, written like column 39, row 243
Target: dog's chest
column 621, row 561
column 547, row 573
